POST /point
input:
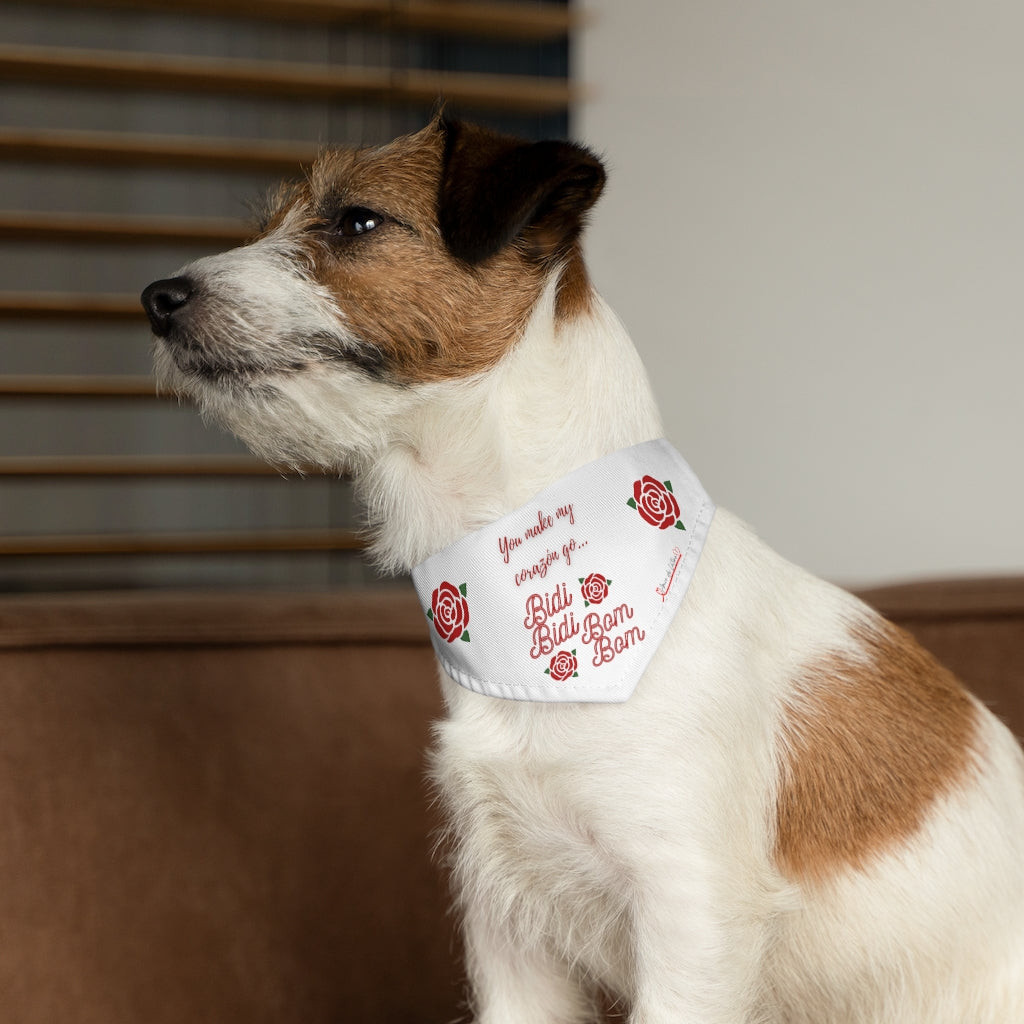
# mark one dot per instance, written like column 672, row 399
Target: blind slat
column 77, row 386
column 22, row 226
column 142, row 466
column 119, row 149
column 69, row 306
column 497, row 20
column 67, row 66
column 193, row 543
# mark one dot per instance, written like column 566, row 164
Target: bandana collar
column 567, row 598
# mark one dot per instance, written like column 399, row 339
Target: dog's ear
column 496, row 190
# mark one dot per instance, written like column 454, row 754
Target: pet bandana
column 568, row 597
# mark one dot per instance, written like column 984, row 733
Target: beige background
column 815, row 232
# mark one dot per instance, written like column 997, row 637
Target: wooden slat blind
column 62, row 65
column 76, row 147
column 191, row 543
column 486, row 18
column 154, row 72
column 42, row 467
column 78, row 385
column 122, row 229
column 68, row 306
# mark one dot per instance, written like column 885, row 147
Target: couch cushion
column 213, row 809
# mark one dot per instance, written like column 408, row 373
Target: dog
column 796, row 816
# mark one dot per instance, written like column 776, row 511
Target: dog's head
column 384, row 273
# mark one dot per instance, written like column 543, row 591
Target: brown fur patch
column 575, row 293
column 869, row 745
column 425, row 314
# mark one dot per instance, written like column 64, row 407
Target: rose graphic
column 594, row 589
column 563, row 666
column 449, row 611
column 655, row 501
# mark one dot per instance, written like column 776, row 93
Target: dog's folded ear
column 496, row 190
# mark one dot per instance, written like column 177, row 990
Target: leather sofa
column 213, row 806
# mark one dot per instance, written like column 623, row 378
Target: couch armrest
column 974, row 626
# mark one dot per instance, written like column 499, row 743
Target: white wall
column 814, row 229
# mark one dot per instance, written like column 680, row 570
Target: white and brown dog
column 797, row 816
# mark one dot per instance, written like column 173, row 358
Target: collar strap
column 568, row 597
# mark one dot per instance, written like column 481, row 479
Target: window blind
column 131, row 139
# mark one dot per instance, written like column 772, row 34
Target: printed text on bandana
column 558, row 617
column 544, row 522
column 552, row 624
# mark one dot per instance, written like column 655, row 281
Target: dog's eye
column 357, row 220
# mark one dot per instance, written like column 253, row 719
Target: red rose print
column 594, row 588
column 655, row 501
column 449, row 611
column 563, row 666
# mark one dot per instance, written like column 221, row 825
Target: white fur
column 630, row 846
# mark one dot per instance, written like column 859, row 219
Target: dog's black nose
column 163, row 299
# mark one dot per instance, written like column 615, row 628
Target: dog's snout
column 162, row 300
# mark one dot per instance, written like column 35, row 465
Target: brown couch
column 212, row 806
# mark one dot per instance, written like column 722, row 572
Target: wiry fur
column 725, row 847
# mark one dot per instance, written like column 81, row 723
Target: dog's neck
column 468, row 452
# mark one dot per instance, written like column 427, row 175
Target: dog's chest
column 529, row 837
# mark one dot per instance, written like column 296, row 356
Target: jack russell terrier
column 678, row 771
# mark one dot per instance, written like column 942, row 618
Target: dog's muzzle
column 164, row 302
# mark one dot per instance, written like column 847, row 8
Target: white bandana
column 568, row 597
